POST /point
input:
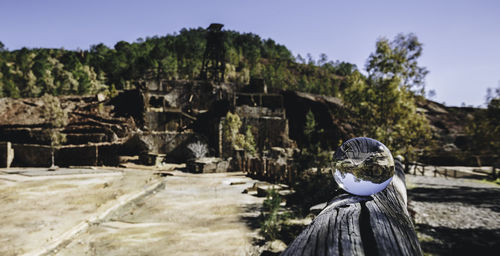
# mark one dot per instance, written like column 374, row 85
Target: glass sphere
column 363, row 166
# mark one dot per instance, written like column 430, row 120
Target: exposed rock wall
column 330, row 115
column 164, row 116
column 32, row 155
column 90, row 120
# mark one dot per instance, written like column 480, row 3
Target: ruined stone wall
column 90, row 120
column 172, row 144
column 269, row 169
column 183, row 95
column 82, row 155
column 248, row 111
column 330, row 115
column 268, row 131
column 156, row 121
column 31, row 155
column 28, row 135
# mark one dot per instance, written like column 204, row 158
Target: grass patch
column 491, row 182
column 410, row 186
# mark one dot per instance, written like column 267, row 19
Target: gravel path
column 455, row 216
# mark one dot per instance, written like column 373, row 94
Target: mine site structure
column 214, row 62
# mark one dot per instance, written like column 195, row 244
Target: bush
column 232, row 136
column 270, row 225
column 198, row 149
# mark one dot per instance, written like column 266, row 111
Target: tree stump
column 362, row 225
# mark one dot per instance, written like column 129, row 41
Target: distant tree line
column 34, row 72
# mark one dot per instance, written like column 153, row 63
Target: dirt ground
column 455, row 216
column 39, row 206
column 196, row 214
column 205, row 214
column 192, row 214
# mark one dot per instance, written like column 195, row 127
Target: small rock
column 53, row 168
column 237, row 183
column 275, row 246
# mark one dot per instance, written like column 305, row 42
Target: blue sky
column 461, row 38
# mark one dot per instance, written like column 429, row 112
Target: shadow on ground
column 448, row 241
column 253, row 221
column 478, row 197
column 444, row 240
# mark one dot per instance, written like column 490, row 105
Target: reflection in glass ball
column 363, row 166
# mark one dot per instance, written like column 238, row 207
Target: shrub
column 198, row 149
column 270, row 225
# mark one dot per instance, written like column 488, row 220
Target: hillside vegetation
column 33, row 72
column 382, row 102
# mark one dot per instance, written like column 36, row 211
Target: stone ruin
column 178, row 113
column 159, row 119
column 93, row 134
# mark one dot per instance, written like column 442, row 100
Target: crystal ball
column 363, row 166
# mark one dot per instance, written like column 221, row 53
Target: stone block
column 207, row 165
column 85, row 155
column 108, row 154
column 222, row 166
column 151, row 159
column 31, row 155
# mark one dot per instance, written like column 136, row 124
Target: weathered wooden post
column 378, row 224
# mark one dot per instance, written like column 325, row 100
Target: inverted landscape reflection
column 363, row 166
column 351, row 184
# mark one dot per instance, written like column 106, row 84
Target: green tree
column 33, row 72
column 231, row 127
column 398, row 59
column 249, row 143
column 313, row 187
column 384, row 103
column 56, row 118
column 484, row 127
column 313, row 155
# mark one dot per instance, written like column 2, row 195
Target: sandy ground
column 39, row 206
column 195, row 214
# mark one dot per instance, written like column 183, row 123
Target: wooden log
column 362, row 225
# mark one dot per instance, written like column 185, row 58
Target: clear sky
column 461, row 38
